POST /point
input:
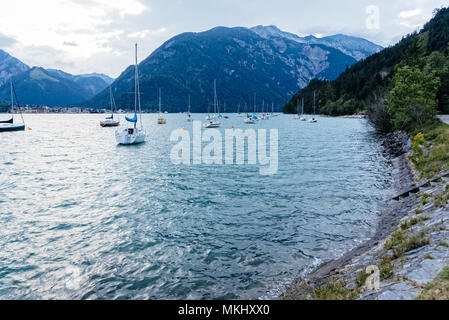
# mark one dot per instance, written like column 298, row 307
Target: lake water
column 84, row 218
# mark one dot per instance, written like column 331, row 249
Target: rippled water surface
column 83, row 218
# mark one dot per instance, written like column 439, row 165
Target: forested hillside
column 412, row 74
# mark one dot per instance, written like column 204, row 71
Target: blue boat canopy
column 133, row 119
column 110, row 118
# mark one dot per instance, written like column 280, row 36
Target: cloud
column 70, row 44
column 146, row 33
column 6, row 41
column 84, row 36
column 410, row 13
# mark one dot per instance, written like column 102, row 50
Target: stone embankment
column 408, row 251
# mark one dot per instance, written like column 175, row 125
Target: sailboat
column 239, row 114
column 314, row 120
column 212, row 123
column 110, row 121
column 302, row 118
column 11, row 125
column 189, row 116
column 297, row 116
column 224, row 111
column 134, row 134
column 161, row 119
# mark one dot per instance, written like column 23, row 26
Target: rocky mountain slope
column 243, row 61
column 10, row 66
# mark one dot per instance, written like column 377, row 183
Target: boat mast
column 112, row 105
column 12, row 99
column 215, row 96
column 255, row 105
column 314, row 102
column 160, row 100
column 189, row 104
column 137, row 104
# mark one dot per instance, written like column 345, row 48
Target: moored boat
column 10, row 124
column 110, row 121
column 135, row 134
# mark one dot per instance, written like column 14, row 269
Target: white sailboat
column 110, row 121
column 11, row 125
column 302, row 118
column 211, row 123
column 297, row 116
column 314, row 120
column 189, row 115
column 133, row 134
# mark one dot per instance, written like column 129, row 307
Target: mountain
column 91, row 83
column 357, row 48
column 10, row 66
column 365, row 85
column 39, row 86
column 243, row 61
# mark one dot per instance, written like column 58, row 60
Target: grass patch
column 401, row 243
column 436, row 159
column 438, row 289
column 360, row 281
column 413, row 222
column 386, row 268
column 443, row 244
column 335, row 291
column 441, row 200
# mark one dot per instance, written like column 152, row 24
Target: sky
column 85, row 36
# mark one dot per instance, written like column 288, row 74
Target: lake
column 84, row 218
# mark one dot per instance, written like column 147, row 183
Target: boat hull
column 109, row 124
column 125, row 138
column 212, row 125
column 11, row 127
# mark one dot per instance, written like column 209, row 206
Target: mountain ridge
column 242, row 61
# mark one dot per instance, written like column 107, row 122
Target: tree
column 413, row 99
column 439, row 62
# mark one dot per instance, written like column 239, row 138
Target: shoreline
column 405, row 277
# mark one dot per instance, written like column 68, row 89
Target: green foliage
column 401, row 243
column 436, row 159
column 334, row 291
column 386, row 268
column 361, row 278
column 413, row 99
column 417, row 149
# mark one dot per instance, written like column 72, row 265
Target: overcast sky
column 84, row 36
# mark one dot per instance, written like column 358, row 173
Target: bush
column 413, row 100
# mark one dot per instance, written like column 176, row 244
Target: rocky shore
column 409, row 249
